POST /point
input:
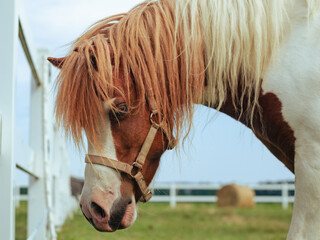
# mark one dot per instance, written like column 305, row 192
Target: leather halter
column 134, row 170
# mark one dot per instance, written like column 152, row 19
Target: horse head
column 130, row 93
column 110, row 193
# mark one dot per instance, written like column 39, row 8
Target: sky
column 218, row 149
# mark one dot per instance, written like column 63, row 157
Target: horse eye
column 120, row 111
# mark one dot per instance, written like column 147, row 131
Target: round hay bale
column 236, row 196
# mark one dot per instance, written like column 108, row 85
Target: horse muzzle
column 121, row 215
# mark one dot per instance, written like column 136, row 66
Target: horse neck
column 229, row 109
column 234, row 111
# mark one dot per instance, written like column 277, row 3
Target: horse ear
column 57, row 62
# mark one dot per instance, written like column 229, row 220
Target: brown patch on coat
column 278, row 137
column 271, row 128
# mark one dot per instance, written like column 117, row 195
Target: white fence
column 174, row 198
column 44, row 159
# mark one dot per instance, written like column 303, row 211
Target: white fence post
column 47, row 139
column 8, row 46
column 173, row 193
column 41, row 136
column 285, row 196
column 36, row 193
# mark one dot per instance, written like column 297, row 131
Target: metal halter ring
column 156, row 125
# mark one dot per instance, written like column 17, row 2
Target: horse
column 131, row 81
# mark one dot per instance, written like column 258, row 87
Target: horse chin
column 129, row 216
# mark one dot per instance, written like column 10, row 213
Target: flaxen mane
column 141, row 46
column 178, row 52
column 240, row 39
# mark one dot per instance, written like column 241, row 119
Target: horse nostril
column 130, row 201
column 98, row 210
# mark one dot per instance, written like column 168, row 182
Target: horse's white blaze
column 102, row 184
column 295, row 79
column 101, row 178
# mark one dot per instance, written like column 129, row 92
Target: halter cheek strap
column 134, row 170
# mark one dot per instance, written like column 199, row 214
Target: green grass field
column 186, row 221
column 191, row 221
column 21, row 221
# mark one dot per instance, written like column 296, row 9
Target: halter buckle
column 137, row 165
column 145, row 191
column 146, row 197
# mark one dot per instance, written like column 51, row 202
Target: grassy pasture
column 186, row 221
column 191, row 221
column 21, row 221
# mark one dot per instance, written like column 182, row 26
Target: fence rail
column 173, row 197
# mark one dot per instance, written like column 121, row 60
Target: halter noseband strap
column 134, row 170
